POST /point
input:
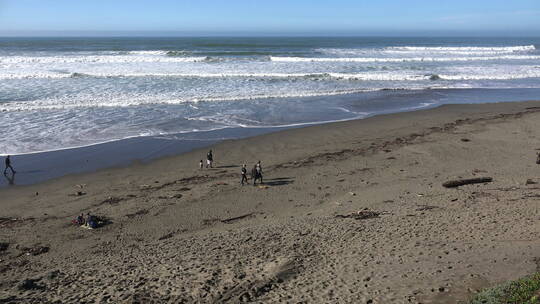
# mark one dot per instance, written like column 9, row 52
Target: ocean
column 59, row 93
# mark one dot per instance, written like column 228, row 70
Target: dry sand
column 184, row 235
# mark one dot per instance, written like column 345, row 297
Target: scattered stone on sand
column 78, row 193
column 425, row 207
column 28, row 284
column 137, row 213
column 6, row 222
column 170, row 196
column 112, row 200
column 4, row 246
column 36, row 250
column 51, row 275
column 166, row 236
column 465, row 140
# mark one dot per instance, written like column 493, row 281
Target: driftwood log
column 360, row 215
column 461, row 182
column 538, row 158
column 236, row 218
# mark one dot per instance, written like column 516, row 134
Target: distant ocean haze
column 57, row 93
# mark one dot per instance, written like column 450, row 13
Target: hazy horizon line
column 329, row 34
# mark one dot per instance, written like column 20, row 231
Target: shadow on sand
column 228, row 166
column 10, row 179
column 278, row 181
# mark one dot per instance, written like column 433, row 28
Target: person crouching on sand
column 8, row 165
column 244, row 174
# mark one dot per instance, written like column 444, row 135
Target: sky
column 268, row 17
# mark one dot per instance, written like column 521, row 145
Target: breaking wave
column 96, row 59
column 390, row 76
column 519, row 48
column 403, row 59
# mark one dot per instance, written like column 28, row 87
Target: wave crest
column 402, row 59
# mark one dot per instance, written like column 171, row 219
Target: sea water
column 58, row 93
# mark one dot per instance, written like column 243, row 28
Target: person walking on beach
column 209, row 159
column 8, row 165
column 256, row 173
column 244, row 174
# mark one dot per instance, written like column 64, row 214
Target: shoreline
column 298, row 237
column 42, row 166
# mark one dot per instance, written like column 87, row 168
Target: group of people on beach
column 89, row 221
column 256, row 174
column 209, row 160
column 256, row 171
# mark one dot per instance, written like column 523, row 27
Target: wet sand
column 183, row 235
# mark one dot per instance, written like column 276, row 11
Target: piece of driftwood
column 467, row 181
column 360, row 215
column 232, row 219
column 538, row 158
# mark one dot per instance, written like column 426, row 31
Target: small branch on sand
column 461, row 182
column 232, row 219
column 360, row 215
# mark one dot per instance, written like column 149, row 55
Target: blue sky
column 34, row 17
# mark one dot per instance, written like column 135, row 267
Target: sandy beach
column 350, row 212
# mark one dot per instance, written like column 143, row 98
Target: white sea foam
column 155, row 52
column 315, row 76
column 403, row 59
column 496, row 74
column 519, row 48
column 68, row 103
column 95, row 59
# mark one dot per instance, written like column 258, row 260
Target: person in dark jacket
column 244, row 175
column 256, row 173
column 8, row 165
